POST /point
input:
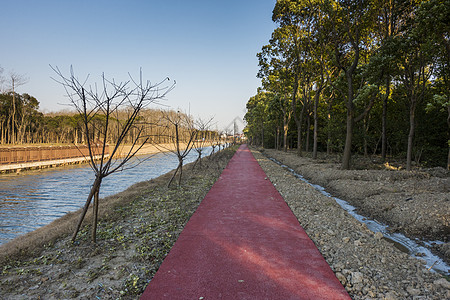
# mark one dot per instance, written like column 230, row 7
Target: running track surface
column 243, row 242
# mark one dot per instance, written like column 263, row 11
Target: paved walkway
column 243, row 242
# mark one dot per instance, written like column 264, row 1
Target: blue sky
column 208, row 47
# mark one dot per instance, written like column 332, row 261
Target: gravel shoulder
column 368, row 266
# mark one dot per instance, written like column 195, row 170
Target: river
column 32, row 199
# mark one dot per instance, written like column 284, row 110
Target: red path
column 243, row 242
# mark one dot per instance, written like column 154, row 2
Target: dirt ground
column 415, row 203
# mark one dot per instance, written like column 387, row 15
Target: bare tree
column 182, row 134
column 100, row 107
column 15, row 80
column 203, row 138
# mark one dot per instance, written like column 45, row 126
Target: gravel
column 368, row 266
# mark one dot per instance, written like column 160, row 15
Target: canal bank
column 35, row 198
column 20, row 158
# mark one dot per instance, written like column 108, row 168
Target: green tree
column 433, row 22
column 350, row 24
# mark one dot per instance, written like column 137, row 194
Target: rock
column 443, row 283
column 412, row 291
column 390, row 296
column 341, row 278
column 358, row 287
column 371, row 294
column 357, row 277
column 378, row 235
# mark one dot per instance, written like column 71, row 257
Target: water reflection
column 36, row 198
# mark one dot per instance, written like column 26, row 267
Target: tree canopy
column 369, row 77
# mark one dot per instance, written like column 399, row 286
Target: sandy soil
column 146, row 149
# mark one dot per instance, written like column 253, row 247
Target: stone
column 390, row 296
column 378, row 235
column 341, row 278
column 357, row 277
column 412, row 291
column 443, row 283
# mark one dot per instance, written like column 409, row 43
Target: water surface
column 32, row 199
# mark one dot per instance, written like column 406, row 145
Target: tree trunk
column 95, row 187
column 329, row 130
column 180, row 163
column 299, row 140
column 262, row 134
column 350, row 121
column 308, row 127
column 384, row 121
column 411, row 133
column 316, row 123
column 95, row 216
column 285, row 133
column 366, row 134
column 348, row 142
column 448, row 141
column 181, row 174
column 299, row 131
column 277, row 138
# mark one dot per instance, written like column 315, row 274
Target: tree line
column 353, row 76
column 23, row 123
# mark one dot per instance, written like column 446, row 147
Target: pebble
column 357, row 277
column 412, row 291
column 442, row 282
column 341, row 278
column 378, row 235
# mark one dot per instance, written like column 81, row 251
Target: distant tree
column 14, row 80
column 98, row 107
column 203, row 138
column 28, row 108
column 182, row 133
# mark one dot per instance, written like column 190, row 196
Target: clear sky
column 208, row 47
